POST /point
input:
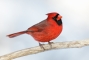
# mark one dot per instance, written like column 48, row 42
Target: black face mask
column 59, row 22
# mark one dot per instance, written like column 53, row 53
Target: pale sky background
column 18, row 15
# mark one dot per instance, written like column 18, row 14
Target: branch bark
column 38, row 49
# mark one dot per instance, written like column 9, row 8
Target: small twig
column 38, row 49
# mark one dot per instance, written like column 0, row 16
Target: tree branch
column 38, row 49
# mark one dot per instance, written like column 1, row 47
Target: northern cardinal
column 44, row 31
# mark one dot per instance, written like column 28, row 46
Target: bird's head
column 54, row 15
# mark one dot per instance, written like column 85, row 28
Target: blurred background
column 18, row 15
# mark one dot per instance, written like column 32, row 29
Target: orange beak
column 59, row 17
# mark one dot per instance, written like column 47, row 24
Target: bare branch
column 38, row 49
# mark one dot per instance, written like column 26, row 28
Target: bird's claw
column 41, row 45
column 50, row 43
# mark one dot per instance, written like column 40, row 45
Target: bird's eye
column 54, row 18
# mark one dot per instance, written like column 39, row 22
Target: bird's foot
column 41, row 45
column 50, row 43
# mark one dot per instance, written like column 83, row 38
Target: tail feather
column 16, row 34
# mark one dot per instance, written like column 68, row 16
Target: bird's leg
column 50, row 44
column 41, row 45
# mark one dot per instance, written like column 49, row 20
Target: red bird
column 44, row 31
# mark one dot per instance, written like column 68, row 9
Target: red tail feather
column 16, row 34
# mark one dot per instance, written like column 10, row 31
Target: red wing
column 39, row 27
column 33, row 29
